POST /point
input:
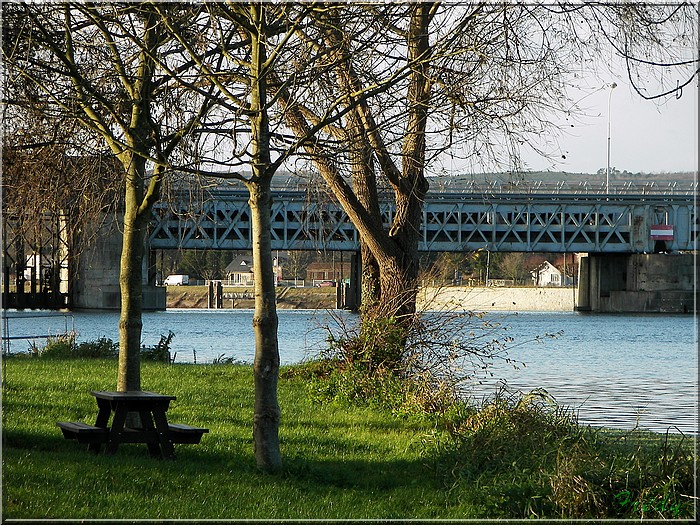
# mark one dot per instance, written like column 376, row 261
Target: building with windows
column 546, row 274
column 325, row 272
column 239, row 271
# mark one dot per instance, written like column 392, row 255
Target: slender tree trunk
column 137, row 205
column 267, row 361
column 130, row 283
column 266, row 417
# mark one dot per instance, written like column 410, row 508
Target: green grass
column 340, row 461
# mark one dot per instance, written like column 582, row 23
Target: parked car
column 177, row 280
column 325, row 283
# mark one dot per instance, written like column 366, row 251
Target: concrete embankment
column 497, row 299
column 430, row 298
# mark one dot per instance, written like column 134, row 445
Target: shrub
column 379, row 344
column 549, row 465
column 354, row 385
column 60, row 346
column 65, row 347
column 160, row 352
column 102, row 348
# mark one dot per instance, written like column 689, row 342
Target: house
column 546, row 274
column 239, row 271
column 318, row 272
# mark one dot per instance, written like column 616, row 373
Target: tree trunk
column 364, row 183
column 411, row 190
column 130, row 283
column 266, row 417
column 267, row 361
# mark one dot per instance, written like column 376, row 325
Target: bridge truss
column 451, row 222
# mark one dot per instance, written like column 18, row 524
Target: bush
column 353, row 385
column 160, row 352
column 520, row 454
column 60, row 346
column 380, row 344
column 65, row 347
column 102, row 348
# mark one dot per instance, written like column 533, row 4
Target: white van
column 176, row 280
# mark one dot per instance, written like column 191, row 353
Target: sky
column 645, row 136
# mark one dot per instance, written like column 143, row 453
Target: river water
column 614, row 370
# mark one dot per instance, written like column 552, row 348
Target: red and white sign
column 662, row 232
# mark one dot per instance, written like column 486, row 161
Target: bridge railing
column 584, row 187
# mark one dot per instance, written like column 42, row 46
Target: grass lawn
column 340, row 462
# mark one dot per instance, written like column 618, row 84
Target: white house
column 546, row 274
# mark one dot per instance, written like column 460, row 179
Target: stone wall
column 551, row 299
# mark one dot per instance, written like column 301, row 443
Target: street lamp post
column 607, row 170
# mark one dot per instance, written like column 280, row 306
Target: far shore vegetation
column 355, row 446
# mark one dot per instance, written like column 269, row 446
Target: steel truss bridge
column 452, row 222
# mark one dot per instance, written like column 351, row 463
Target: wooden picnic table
column 153, row 428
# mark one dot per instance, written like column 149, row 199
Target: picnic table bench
column 154, row 429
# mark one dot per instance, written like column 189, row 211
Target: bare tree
column 296, row 264
column 50, row 167
column 259, row 57
column 108, row 67
column 512, row 266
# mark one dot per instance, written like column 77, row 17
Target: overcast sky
column 645, row 136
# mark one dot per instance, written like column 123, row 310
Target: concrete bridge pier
column 349, row 296
column 96, row 279
column 653, row 283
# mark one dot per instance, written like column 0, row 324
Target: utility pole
column 607, row 170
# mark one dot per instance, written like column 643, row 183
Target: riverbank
column 340, row 462
column 288, row 298
column 431, row 298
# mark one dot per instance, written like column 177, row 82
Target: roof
column 240, row 264
column 545, row 266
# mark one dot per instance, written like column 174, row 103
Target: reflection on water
column 615, row 370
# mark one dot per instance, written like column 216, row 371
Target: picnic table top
column 132, row 395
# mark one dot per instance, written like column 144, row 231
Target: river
column 614, row 370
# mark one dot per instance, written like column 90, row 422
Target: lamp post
column 607, row 170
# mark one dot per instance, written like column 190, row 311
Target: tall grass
column 532, row 458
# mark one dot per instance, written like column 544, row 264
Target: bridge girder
column 451, row 223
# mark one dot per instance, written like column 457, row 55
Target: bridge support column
column 583, row 302
column 349, row 295
column 355, row 293
column 96, row 284
column 622, row 283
